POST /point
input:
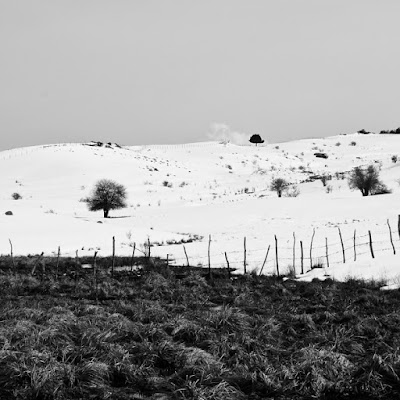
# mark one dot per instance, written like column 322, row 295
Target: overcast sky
column 163, row 71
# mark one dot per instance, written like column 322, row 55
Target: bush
column 279, row 185
column 107, row 195
column 365, row 180
column 353, row 143
column 292, row 191
column 16, row 196
column 394, row 159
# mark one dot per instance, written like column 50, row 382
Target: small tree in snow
column 107, row 195
column 256, row 139
column 365, row 180
column 279, row 185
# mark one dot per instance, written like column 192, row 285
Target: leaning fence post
column 391, row 238
column 12, row 256
column 187, row 258
column 370, row 244
column 341, row 241
column 312, row 239
column 276, row 256
column 265, row 260
column 227, row 263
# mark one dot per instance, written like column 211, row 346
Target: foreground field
column 160, row 333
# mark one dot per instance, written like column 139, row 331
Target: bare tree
column 365, row 180
column 107, row 195
column 279, row 185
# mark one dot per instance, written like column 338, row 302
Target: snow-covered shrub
column 16, row 196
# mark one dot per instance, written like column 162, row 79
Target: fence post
column 209, row 258
column 391, row 238
column 113, row 257
column 133, row 255
column 370, row 244
column 354, row 241
column 57, row 263
column 265, row 260
column 341, row 241
column 398, row 226
column 312, row 239
column 301, row 257
column 276, row 256
column 187, row 258
column 327, row 256
column 95, row 273
column 227, row 263
column 12, row 256
column 294, row 253
column 244, row 255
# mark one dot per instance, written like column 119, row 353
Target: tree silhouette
column 256, row 139
column 278, row 185
column 107, row 195
column 365, row 180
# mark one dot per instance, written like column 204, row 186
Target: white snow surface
column 192, row 192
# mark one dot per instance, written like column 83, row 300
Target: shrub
column 16, row 196
column 279, row 185
column 107, row 195
column 324, row 179
column 292, row 191
column 167, row 184
column 394, row 159
column 353, row 143
column 338, row 144
column 365, row 180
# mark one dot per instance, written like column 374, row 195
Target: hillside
column 184, row 193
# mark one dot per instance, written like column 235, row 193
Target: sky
column 176, row 71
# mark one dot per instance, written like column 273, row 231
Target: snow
column 187, row 193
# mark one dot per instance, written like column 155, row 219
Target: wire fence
column 321, row 248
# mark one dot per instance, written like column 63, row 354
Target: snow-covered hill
column 185, row 193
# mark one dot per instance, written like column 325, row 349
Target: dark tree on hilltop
column 278, row 185
column 107, row 195
column 256, row 139
column 365, row 180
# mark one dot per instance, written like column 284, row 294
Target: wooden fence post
column 354, row 245
column 341, row 241
column 294, row 253
column 95, row 272
column 12, row 257
column 113, row 257
column 327, row 253
column 391, row 238
column 148, row 248
column 76, row 267
column 265, row 260
column 398, row 226
column 58, row 261
column 370, row 244
column 301, row 257
column 209, row 258
column 244, row 256
column 167, row 260
column 187, row 258
column 276, row 256
column 133, row 255
column 227, row 263
column 312, row 240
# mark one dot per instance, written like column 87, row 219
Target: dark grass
column 166, row 333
